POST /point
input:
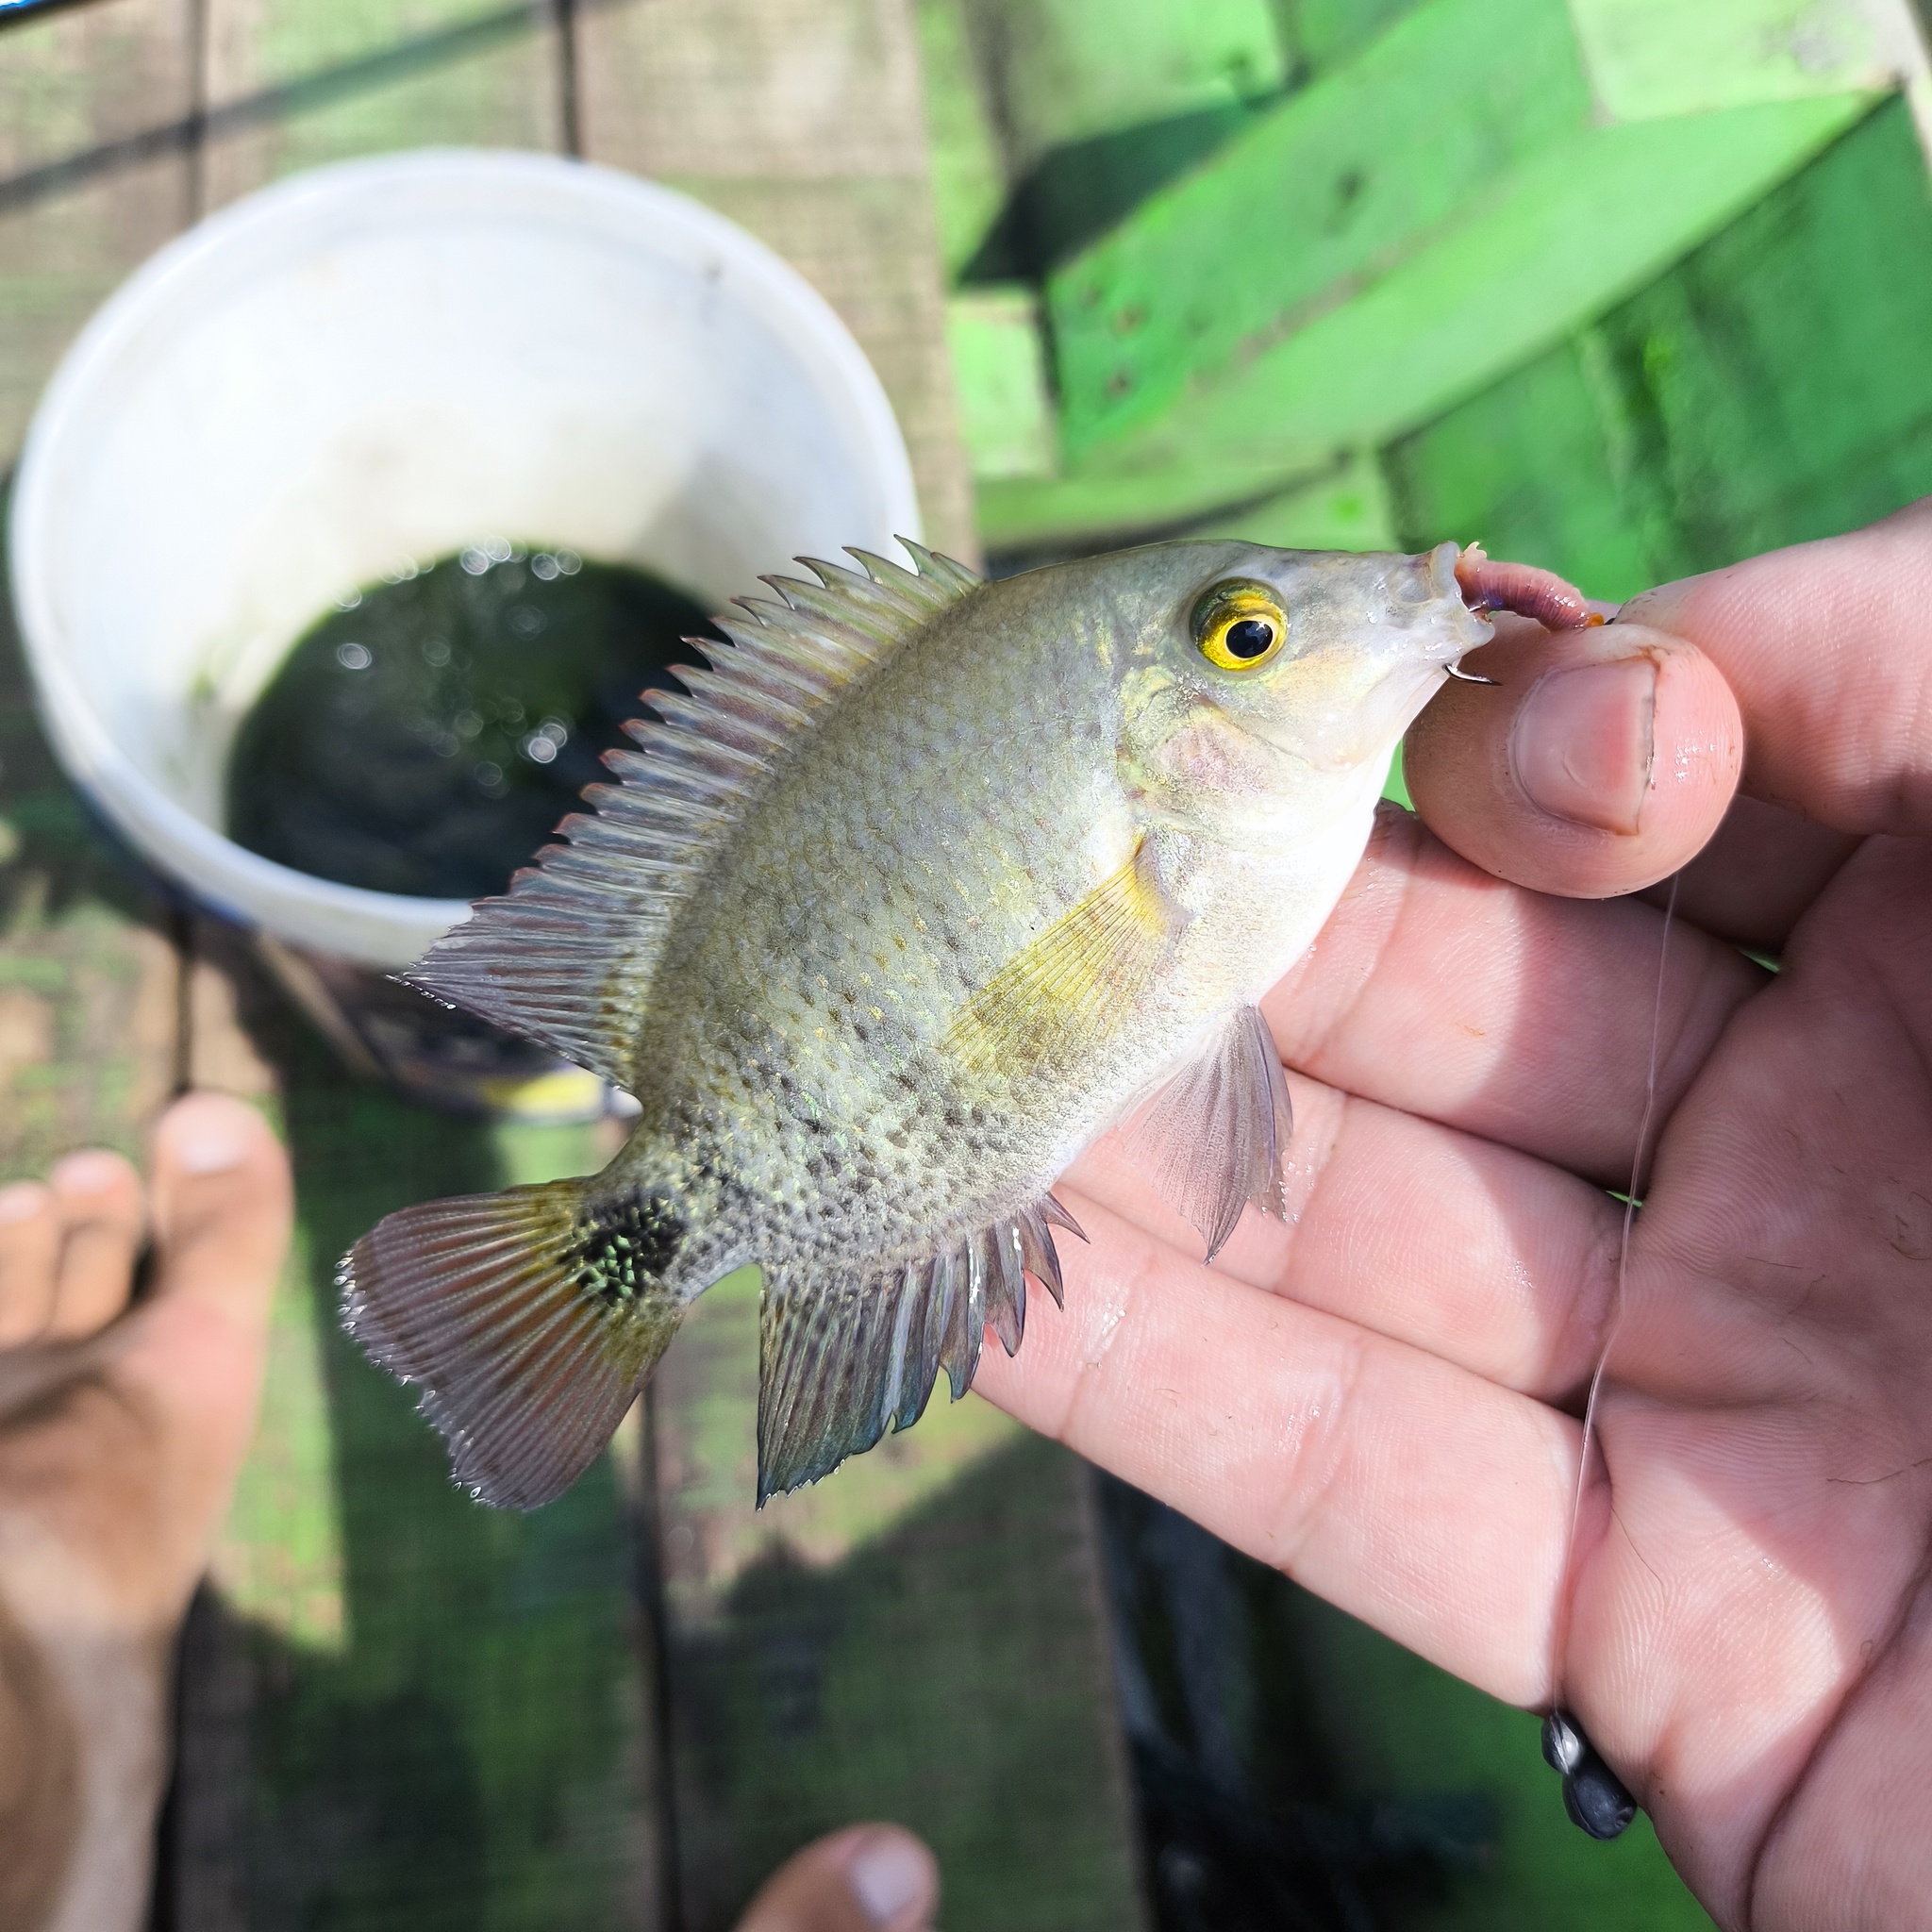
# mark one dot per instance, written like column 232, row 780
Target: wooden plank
column 1007, row 418
column 424, row 77
column 919, row 1636
column 1421, row 338
column 89, row 978
column 965, row 156
column 402, row 1709
column 1067, row 71
column 801, row 122
column 397, row 1707
column 1650, row 59
column 70, row 86
column 1320, row 198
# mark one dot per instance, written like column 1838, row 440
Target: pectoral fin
column 1213, row 1138
column 1068, row 990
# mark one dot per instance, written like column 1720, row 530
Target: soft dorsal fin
column 565, row 957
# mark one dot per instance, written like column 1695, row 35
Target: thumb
column 1599, row 763
column 1828, row 648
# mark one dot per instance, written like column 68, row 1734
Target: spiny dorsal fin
column 566, row 956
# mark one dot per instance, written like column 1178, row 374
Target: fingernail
column 90, row 1172
column 887, row 1874
column 22, row 1201
column 1582, row 745
column 207, row 1137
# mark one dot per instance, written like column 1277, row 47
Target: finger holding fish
column 1485, row 1257
column 1413, row 1493
column 1600, row 760
column 1437, row 989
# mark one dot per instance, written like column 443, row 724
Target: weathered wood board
column 801, row 120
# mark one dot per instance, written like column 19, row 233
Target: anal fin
column 845, row 1357
column 1213, row 1138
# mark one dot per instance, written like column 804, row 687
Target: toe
column 221, row 1209
column 96, row 1199
column 29, row 1252
column 867, row 1879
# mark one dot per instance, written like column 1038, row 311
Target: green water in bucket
column 426, row 736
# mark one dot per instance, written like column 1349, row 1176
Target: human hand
column 120, row 1437
column 1381, row 1396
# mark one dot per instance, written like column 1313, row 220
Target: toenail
column 207, row 1140
column 90, row 1172
column 22, row 1201
column 887, row 1874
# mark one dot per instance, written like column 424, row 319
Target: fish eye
column 1240, row 626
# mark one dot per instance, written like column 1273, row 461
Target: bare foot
column 120, row 1436
column 866, row 1879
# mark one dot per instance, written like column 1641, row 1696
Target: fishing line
column 1592, row 1794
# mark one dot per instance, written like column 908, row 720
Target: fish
column 917, row 886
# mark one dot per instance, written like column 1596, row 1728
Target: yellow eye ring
column 1240, row 627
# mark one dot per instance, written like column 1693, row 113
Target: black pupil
column 1249, row 637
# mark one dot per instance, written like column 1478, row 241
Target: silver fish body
column 924, row 885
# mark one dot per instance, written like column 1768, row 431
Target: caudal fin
column 506, row 1311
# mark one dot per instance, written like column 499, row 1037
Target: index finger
column 1827, row 647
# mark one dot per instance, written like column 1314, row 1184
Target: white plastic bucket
column 386, row 360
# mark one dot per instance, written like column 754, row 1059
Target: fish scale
column 920, row 887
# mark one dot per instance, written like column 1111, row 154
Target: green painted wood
column 968, row 162
column 1322, row 196
column 1774, row 388
column 1319, row 35
column 1007, row 417
column 1069, row 71
column 1035, row 513
column 1646, row 59
column 1599, row 218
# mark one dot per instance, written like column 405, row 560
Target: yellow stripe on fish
column 1063, row 997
